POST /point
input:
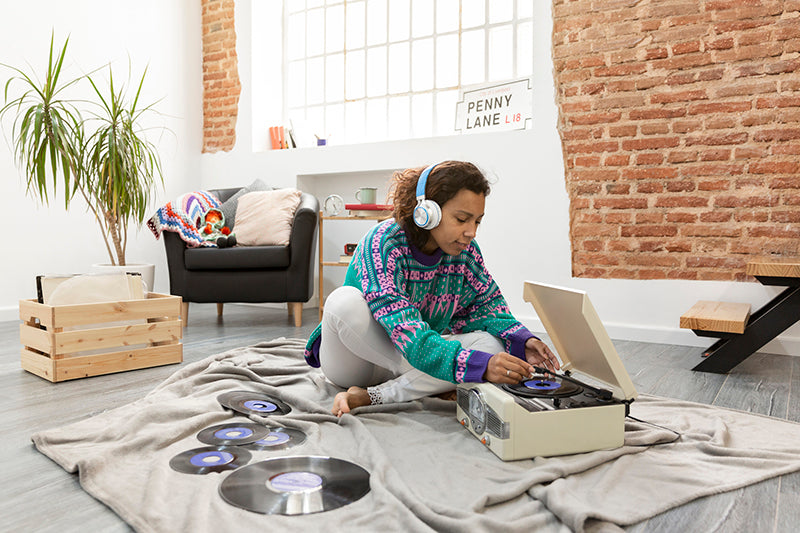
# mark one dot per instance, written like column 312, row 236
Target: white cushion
column 265, row 217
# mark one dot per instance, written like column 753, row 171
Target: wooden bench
column 740, row 333
column 725, row 317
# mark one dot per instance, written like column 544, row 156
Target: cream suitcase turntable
column 580, row 409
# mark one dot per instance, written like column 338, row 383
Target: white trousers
column 356, row 351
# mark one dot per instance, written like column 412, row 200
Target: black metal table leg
column 764, row 325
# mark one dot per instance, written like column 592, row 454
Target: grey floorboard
column 39, row 496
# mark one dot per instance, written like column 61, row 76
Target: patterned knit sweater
column 416, row 297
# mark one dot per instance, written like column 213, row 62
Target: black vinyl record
column 253, row 403
column 295, row 485
column 540, row 386
column 232, row 434
column 278, row 438
column 210, row 459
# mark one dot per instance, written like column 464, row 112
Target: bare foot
column 352, row 398
column 448, row 395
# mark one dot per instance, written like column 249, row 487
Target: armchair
column 257, row 274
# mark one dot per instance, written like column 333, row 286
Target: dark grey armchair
column 256, row 274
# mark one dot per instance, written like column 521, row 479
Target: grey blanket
column 427, row 472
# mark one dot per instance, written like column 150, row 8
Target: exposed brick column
column 221, row 86
column 680, row 127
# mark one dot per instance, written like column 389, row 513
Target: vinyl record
column 232, row 434
column 540, row 386
column 278, row 438
column 210, row 459
column 253, row 403
column 295, row 485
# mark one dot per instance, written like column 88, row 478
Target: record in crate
column 579, row 410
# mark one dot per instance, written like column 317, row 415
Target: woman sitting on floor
column 418, row 311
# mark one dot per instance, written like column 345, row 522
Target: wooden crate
column 76, row 341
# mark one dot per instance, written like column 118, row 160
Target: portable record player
column 581, row 408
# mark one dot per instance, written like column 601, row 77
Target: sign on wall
column 499, row 107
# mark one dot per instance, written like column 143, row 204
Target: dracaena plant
column 97, row 149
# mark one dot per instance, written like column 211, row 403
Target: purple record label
column 261, row 406
column 542, row 384
column 295, row 482
column 233, row 433
column 273, row 439
column 214, row 458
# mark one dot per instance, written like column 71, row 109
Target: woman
column 418, row 311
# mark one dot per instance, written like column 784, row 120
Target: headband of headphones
column 423, row 181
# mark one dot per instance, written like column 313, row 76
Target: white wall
column 525, row 234
column 164, row 35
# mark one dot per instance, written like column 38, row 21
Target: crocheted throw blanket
column 184, row 216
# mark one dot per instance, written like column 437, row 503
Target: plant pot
column 147, row 270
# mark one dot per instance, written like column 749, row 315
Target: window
column 372, row 70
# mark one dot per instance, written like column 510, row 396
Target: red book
column 369, row 207
column 273, row 137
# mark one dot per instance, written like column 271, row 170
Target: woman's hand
column 506, row 368
column 537, row 353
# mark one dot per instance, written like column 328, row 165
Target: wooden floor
column 38, row 495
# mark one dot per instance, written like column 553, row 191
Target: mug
column 367, row 195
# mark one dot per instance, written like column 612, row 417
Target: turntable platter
column 541, row 386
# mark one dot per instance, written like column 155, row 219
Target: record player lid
column 579, row 337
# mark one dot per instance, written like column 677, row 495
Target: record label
column 253, row 403
column 542, row 384
column 217, row 457
column 295, row 485
column 260, row 406
column 210, row 459
column 279, row 438
column 232, row 434
column 295, row 482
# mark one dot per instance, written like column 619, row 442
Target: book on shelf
column 369, row 210
column 344, row 258
column 367, row 213
column 369, row 207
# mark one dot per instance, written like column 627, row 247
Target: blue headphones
column 427, row 213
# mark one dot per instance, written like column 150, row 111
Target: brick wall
column 680, row 127
column 221, row 86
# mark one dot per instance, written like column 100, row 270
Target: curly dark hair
column 444, row 182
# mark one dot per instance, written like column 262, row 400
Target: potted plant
column 96, row 149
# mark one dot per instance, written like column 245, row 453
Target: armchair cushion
column 265, row 217
column 237, row 258
column 229, row 206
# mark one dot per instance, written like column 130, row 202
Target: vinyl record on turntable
column 232, row 434
column 278, row 438
column 539, row 386
column 295, row 485
column 210, row 459
column 253, row 403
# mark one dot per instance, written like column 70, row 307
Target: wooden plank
column 38, row 364
column 109, row 337
column 716, row 316
column 37, row 338
column 155, row 305
column 777, row 269
column 76, row 315
column 31, row 310
column 109, row 363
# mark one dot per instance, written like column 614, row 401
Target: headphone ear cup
column 427, row 214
